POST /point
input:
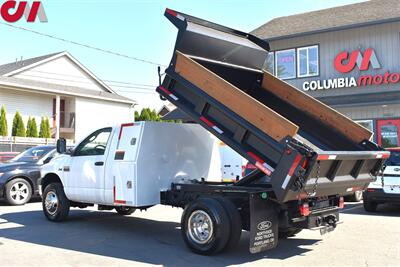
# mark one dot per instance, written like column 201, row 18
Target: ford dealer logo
column 264, row 225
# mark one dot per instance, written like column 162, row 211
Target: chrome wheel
column 19, row 192
column 51, row 202
column 200, row 227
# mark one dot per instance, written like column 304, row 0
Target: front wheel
column 124, row 210
column 370, row 206
column 355, row 197
column 205, row 226
column 18, row 191
column 55, row 203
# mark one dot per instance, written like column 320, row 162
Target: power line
column 84, row 45
column 80, row 77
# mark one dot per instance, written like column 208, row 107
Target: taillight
column 304, row 209
column 341, row 202
column 370, row 190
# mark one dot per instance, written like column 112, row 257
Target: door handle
column 99, row 163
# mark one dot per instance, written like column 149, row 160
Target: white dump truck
column 307, row 155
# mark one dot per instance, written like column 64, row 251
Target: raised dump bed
column 303, row 147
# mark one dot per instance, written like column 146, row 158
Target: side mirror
column 61, row 146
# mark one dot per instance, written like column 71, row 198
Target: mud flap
column 263, row 224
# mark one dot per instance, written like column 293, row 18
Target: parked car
column 5, row 156
column 18, row 176
column 386, row 189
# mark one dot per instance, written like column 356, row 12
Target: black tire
column 58, row 203
column 125, row 210
column 355, row 197
column 370, row 206
column 219, row 221
column 285, row 233
column 235, row 222
column 18, row 191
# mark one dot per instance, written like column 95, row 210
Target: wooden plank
column 315, row 108
column 233, row 98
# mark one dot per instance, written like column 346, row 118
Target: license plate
column 321, row 204
column 326, row 230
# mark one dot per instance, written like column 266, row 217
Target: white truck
column 307, row 155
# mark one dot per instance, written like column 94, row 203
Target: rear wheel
column 205, row 226
column 18, row 191
column 235, row 223
column 55, row 203
column 370, row 206
column 125, row 210
column 355, row 197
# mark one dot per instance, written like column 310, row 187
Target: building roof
column 177, row 114
column 336, row 18
column 11, row 67
column 14, row 68
column 49, row 88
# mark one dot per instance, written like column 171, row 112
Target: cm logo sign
column 13, row 11
column 346, row 62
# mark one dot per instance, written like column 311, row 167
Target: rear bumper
column 318, row 219
column 379, row 196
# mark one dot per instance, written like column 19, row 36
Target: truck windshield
column 33, row 154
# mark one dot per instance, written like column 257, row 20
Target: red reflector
column 370, row 190
column 304, row 165
column 172, row 12
column 304, row 209
column 341, row 202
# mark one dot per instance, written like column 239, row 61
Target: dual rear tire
column 210, row 225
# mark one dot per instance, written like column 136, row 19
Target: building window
column 369, row 124
column 285, row 64
column 388, row 133
column 269, row 64
column 307, row 61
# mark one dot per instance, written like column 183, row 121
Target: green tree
column 45, row 131
column 137, row 116
column 150, row 115
column 31, row 128
column 3, row 122
column 18, row 127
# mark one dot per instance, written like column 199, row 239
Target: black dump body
column 301, row 147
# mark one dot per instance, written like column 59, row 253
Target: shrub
column 31, row 128
column 3, row 122
column 44, row 131
column 18, row 127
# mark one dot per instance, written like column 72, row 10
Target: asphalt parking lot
column 93, row 237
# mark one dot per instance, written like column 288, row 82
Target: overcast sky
column 136, row 28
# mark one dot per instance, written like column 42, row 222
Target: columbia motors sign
column 346, row 62
column 12, row 11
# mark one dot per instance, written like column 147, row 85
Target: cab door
column 87, row 168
